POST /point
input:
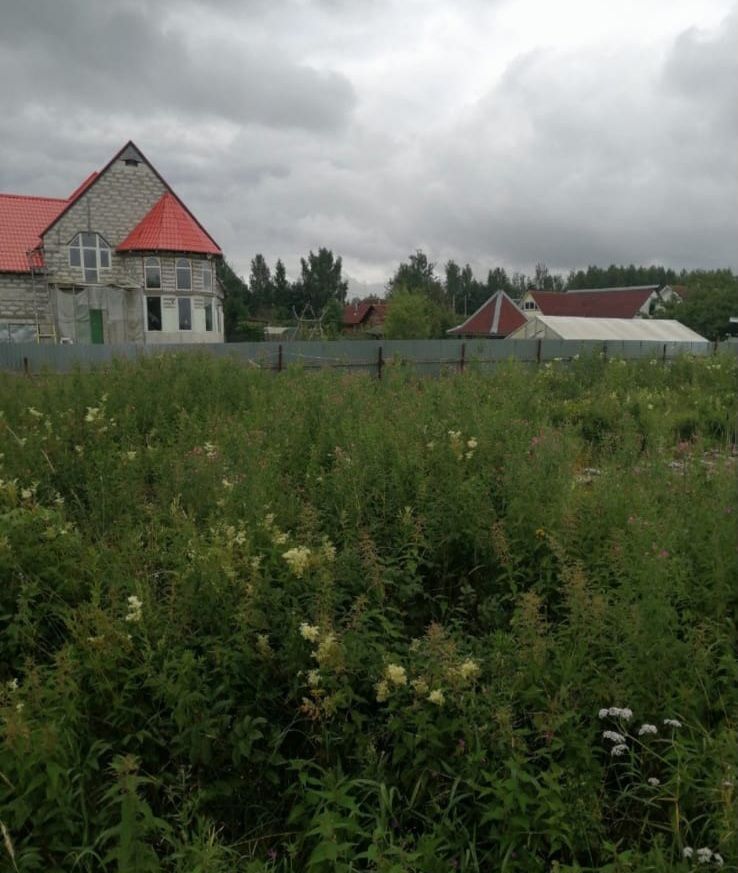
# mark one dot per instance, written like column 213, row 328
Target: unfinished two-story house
column 120, row 260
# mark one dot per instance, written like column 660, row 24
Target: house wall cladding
column 114, row 203
column 16, row 297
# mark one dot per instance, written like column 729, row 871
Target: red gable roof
column 356, row 313
column 169, row 227
column 22, row 219
column 608, row 303
column 496, row 317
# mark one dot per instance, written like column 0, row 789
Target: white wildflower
column 469, row 669
column 26, row 493
column 472, row 443
column 226, row 483
column 617, row 751
column 210, row 449
column 35, row 413
column 647, row 729
column 382, row 690
column 329, row 550
column 310, row 632
column 19, row 706
column 624, row 713
column 672, row 722
column 313, row 678
column 131, row 455
column 436, row 697
column 717, row 859
column 653, row 781
column 420, row 687
column 704, row 855
column 135, row 607
column 12, row 685
column 614, row 736
column 396, row 674
column 297, row 559
column 687, row 851
column 603, row 713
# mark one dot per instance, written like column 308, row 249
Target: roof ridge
column 33, row 197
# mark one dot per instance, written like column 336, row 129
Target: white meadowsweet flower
column 614, row 736
column 131, row 455
column 604, row 712
column 653, row 781
column 672, row 722
column 396, row 674
column 647, row 729
column 310, row 632
column 382, row 690
column 617, row 751
column 704, row 855
column 436, row 696
column 313, row 678
column 12, row 685
column 687, row 851
column 93, row 413
column 717, row 859
column 469, row 669
column 297, row 559
column 472, row 443
column 135, row 607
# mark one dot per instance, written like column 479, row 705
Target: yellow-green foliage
column 317, row 622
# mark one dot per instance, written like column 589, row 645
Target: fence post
column 25, row 366
column 380, row 362
column 663, row 355
column 539, row 345
column 279, row 358
column 463, row 358
column 715, row 346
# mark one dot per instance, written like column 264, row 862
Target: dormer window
column 92, row 253
column 207, row 276
column 152, row 273
column 184, row 275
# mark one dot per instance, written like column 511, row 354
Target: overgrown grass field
column 319, row 622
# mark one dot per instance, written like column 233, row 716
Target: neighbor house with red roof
column 364, row 316
column 495, row 319
column 122, row 259
column 639, row 301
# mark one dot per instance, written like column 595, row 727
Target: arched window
column 90, row 252
column 184, row 275
column 152, row 273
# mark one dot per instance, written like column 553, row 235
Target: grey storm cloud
column 117, row 54
column 381, row 127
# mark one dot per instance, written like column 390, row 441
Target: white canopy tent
column 563, row 327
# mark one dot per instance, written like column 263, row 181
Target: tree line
column 428, row 300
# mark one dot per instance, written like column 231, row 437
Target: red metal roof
column 496, row 317
column 169, row 227
column 608, row 303
column 22, row 219
column 356, row 313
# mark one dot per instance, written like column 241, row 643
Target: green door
column 96, row 326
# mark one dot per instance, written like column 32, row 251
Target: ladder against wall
column 42, row 303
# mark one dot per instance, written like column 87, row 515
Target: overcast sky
column 494, row 132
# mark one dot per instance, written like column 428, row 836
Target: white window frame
column 207, row 270
column 146, row 278
column 100, row 244
column 187, row 300
column 177, row 263
column 161, row 314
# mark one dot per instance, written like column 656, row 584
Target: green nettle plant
column 318, row 622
